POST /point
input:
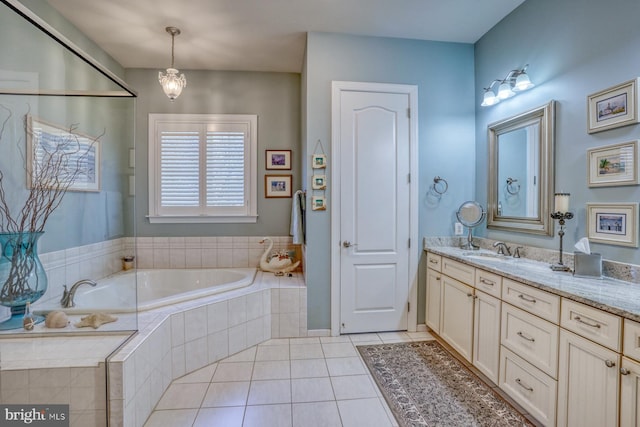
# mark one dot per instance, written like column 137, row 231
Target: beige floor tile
column 339, row 349
column 227, row 417
column 316, row 414
column 269, row 392
column 268, row 416
column 363, row 412
column 391, row 337
column 202, row 375
column 171, row 418
column 238, row 371
column 273, row 352
column 275, row 341
column 248, row 355
column 306, row 351
column 341, row 338
column 353, row 387
column 346, row 366
column 309, row 368
column 226, row 394
column 271, row 370
column 356, row 338
column 311, row 390
column 183, row 396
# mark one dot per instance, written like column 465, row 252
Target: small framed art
column 277, row 186
column 318, row 161
column 318, row 203
column 319, row 182
column 613, row 107
column 613, row 223
column 613, row 165
column 278, row 159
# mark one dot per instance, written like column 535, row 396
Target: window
column 202, row 168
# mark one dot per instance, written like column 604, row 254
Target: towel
column 297, row 218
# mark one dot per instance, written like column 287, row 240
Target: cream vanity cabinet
column 433, row 291
column 630, row 376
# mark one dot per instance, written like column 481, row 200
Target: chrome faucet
column 503, row 249
column 67, row 295
column 516, row 253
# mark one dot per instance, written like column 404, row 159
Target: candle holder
column 561, row 217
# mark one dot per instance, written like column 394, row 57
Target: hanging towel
column 297, row 218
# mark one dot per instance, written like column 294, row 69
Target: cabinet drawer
column 434, row 261
column 533, row 300
column 530, row 337
column 459, row 271
column 631, row 339
column 489, row 283
column 529, row 386
column 596, row 325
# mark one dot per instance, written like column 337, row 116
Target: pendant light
column 172, row 84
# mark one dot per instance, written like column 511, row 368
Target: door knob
column 347, row 244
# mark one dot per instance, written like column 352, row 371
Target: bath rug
column 425, row 385
column 95, row 320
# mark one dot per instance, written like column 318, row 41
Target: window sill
column 202, row 219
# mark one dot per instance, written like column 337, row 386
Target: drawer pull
column 527, row 299
column 610, row 363
column 469, row 295
column 437, row 278
column 523, row 385
column 487, row 282
column 522, row 335
column 625, row 371
column 433, row 261
column 593, row 325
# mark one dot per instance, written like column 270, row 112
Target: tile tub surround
column 612, row 295
column 173, row 341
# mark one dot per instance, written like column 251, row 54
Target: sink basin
column 520, row 263
column 486, row 256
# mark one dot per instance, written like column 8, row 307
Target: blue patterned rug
column 425, row 385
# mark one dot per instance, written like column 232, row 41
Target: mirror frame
column 542, row 224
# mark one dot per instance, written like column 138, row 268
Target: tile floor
column 296, row 382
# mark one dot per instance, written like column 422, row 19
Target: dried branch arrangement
column 51, row 174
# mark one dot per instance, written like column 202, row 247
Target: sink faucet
column 516, row 253
column 503, row 249
column 67, row 296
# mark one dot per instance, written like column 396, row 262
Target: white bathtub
column 155, row 288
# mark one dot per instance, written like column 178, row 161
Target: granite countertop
column 611, row 295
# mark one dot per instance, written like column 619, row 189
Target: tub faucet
column 503, row 249
column 67, row 295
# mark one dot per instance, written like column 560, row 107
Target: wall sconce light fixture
column 514, row 82
column 172, row 84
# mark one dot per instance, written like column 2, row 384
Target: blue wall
column 443, row 73
column 574, row 48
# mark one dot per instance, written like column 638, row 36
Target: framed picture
column 319, row 182
column 58, row 157
column 277, row 186
column 318, row 161
column 278, row 159
column 613, row 223
column 318, row 203
column 613, row 165
column 613, row 107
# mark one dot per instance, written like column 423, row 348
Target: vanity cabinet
column 588, row 381
column 456, row 318
column 629, row 393
column 486, row 334
column 434, row 292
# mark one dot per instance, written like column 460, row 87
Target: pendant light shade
column 172, row 83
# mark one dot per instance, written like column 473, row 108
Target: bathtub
column 155, row 288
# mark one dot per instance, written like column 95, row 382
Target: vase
column 22, row 276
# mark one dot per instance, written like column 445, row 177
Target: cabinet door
column 629, row 393
column 434, row 287
column 456, row 317
column 486, row 335
column 587, row 383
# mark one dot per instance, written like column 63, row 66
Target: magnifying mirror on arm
column 470, row 214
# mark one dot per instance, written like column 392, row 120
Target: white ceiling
column 265, row 35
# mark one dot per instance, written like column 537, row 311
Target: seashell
column 56, row 319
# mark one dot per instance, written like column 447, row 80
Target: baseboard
column 421, row 327
column 319, row 333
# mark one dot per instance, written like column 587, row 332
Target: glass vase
column 22, row 276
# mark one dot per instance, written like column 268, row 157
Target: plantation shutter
column 225, row 168
column 202, row 166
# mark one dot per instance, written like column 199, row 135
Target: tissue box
column 587, row 265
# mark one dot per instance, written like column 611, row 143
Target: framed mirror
column 521, row 172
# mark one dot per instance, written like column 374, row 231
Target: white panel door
column 374, row 211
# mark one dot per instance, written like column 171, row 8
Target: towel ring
column 440, row 185
column 512, row 188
